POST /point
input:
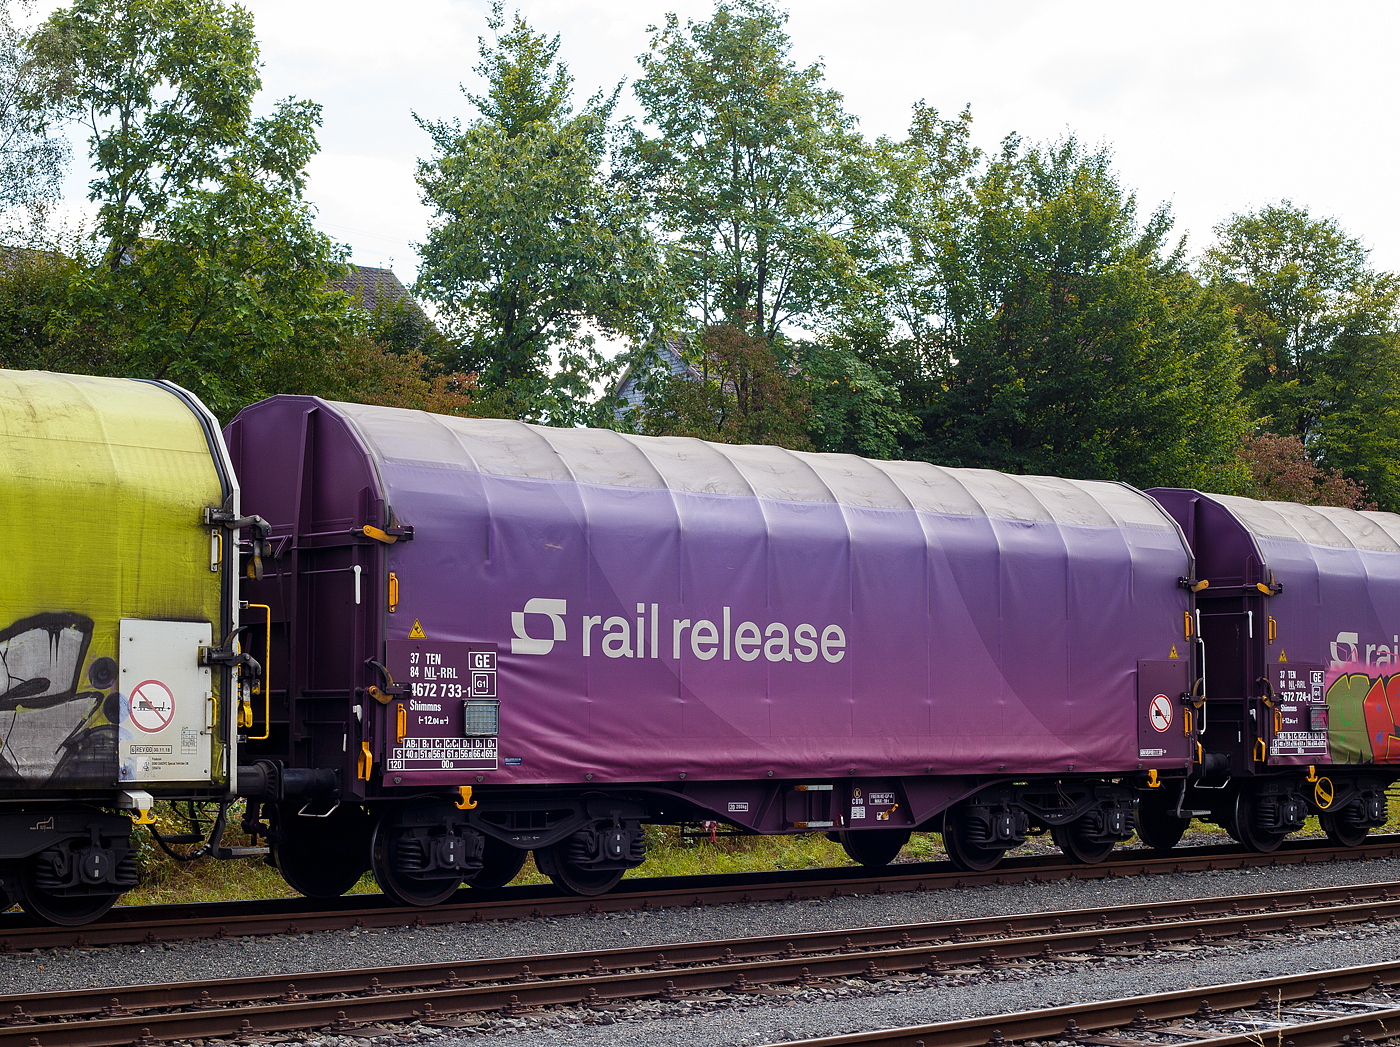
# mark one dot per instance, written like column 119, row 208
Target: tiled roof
column 372, row 286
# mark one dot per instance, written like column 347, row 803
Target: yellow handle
column 1188, row 625
column 1273, row 629
column 1278, row 721
column 365, row 763
column 263, row 683
column 393, row 592
column 1185, row 723
column 403, row 721
column 1261, row 751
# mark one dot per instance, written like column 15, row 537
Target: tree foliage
column 755, row 175
column 531, row 244
column 212, row 273
column 1281, row 470
column 1321, row 334
column 1081, row 346
column 32, row 158
column 736, row 391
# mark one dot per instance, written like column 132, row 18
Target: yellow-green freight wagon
column 118, row 605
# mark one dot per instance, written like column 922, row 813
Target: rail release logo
column 543, row 624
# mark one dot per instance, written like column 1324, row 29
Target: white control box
column 167, row 702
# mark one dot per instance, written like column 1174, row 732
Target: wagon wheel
column 1339, row 833
column 500, row 864
column 575, row 879
column 962, row 852
column 66, row 910
column 1073, row 839
column 1242, row 824
column 323, row 857
column 400, row 887
column 1157, row 827
column 873, row 847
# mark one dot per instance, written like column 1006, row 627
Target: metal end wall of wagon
column 1302, row 618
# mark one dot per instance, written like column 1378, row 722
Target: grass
column 166, row 881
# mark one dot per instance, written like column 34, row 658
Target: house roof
column 669, row 355
column 373, row 287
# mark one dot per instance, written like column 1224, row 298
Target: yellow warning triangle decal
column 1173, row 654
column 416, row 633
column 1283, row 656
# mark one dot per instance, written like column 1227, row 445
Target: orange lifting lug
column 1261, row 751
column 466, row 803
column 1152, row 782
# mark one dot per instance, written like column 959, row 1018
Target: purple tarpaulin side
column 961, row 643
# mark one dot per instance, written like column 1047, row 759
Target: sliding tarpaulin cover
column 666, row 606
column 102, row 483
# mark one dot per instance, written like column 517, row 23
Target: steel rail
column 403, row 992
column 292, row 916
column 1053, row 1023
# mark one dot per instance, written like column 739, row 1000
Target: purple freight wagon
column 510, row 638
column 1301, row 629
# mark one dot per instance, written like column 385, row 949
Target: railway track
column 345, row 999
column 134, row 924
column 1345, row 1007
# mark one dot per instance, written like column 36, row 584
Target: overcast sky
column 1213, row 107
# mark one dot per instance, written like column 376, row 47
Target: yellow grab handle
column 365, row 762
column 403, row 721
column 263, row 683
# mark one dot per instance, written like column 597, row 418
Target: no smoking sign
column 152, row 706
column 1160, row 713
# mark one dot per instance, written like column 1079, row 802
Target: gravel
column 825, row 1009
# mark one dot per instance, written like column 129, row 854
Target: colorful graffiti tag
column 1363, row 709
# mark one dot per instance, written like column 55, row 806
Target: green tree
column 212, row 273
column 531, row 245
column 738, row 392
column 1081, row 346
column 1321, row 331
column 756, row 175
column 32, row 160
column 34, row 301
column 855, row 407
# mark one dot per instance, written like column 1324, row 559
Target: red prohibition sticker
column 1160, row 713
column 152, row 706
